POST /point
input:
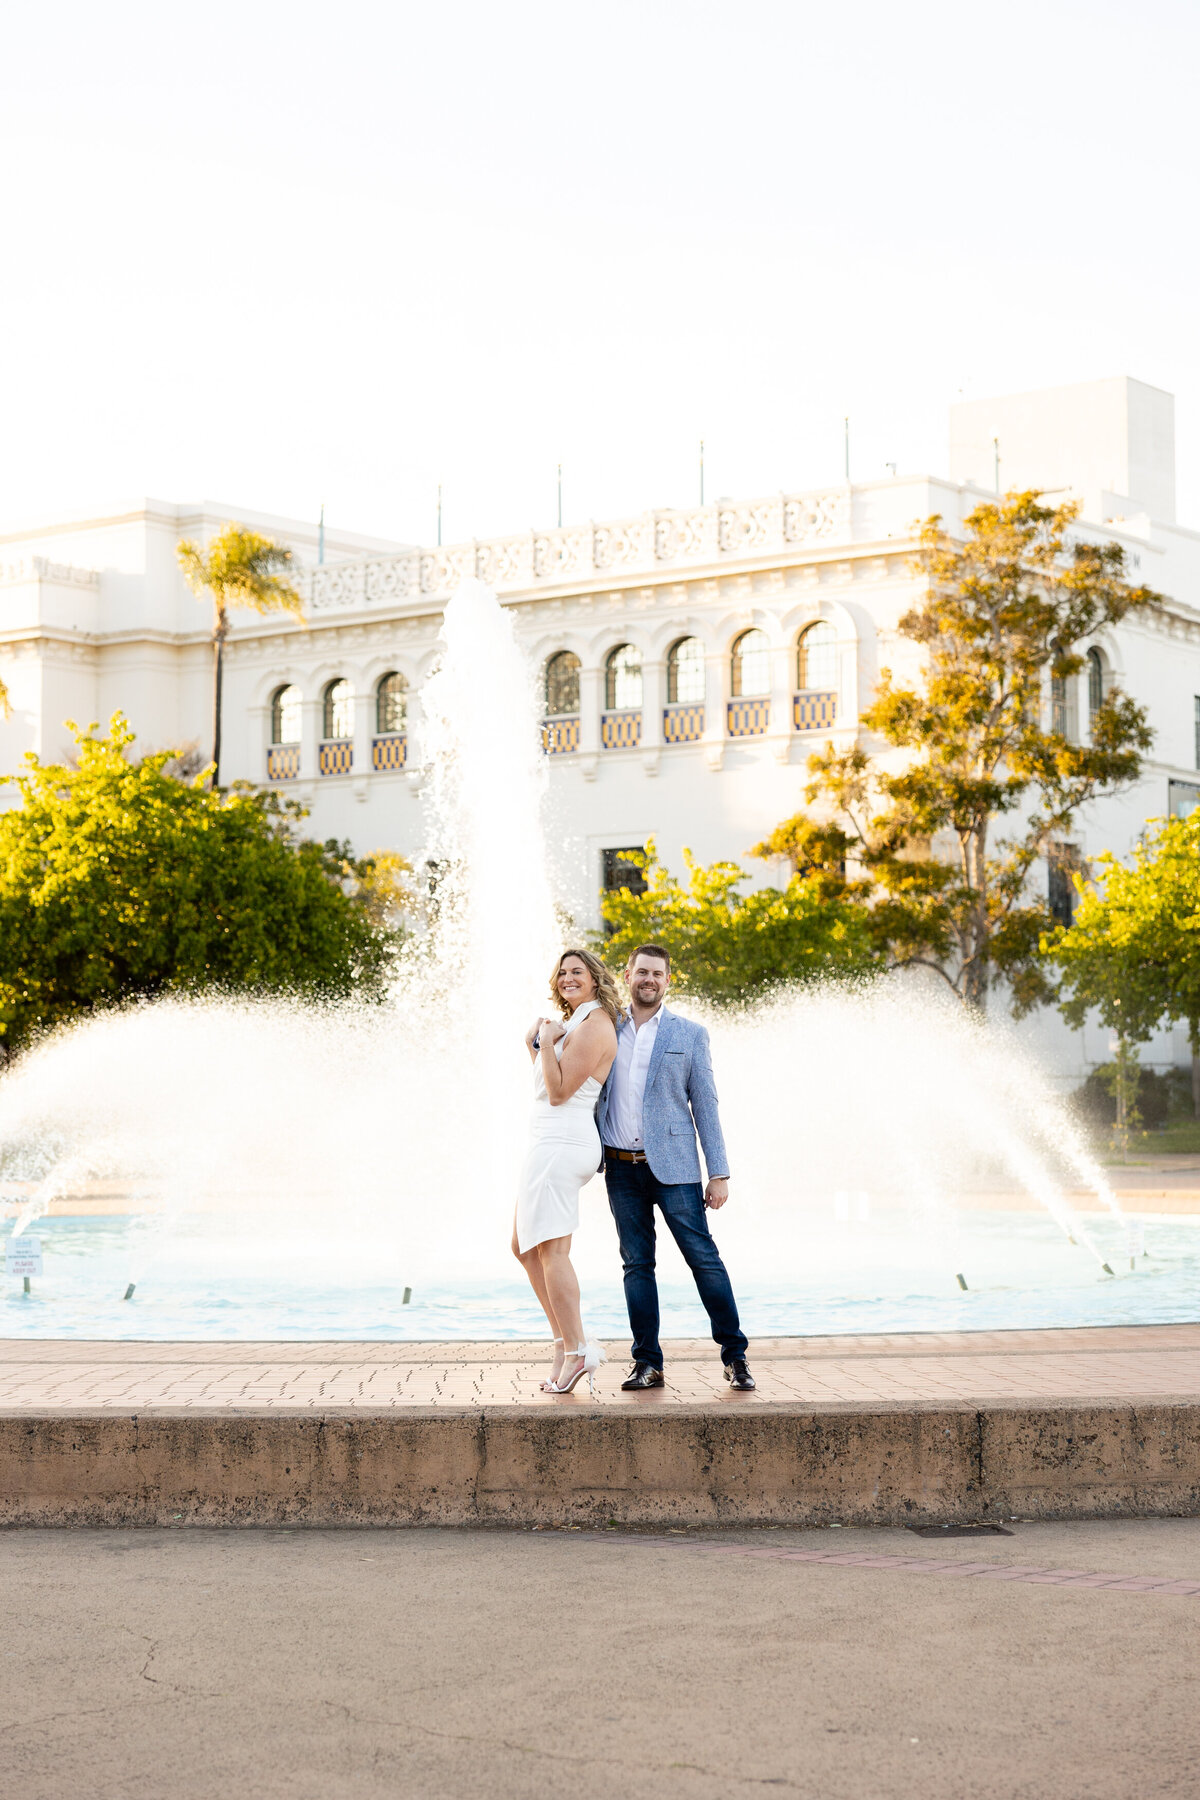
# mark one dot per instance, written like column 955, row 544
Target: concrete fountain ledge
column 860, row 1430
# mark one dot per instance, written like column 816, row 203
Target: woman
column 570, row 1064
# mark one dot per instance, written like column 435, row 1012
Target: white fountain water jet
column 890, row 1093
column 486, row 970
column 381, row 1143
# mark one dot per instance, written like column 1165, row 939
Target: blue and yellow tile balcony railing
column 620, row 730
column 748, row 718
column 683, row 724
column 335, row 756
column 283, row 762
column 560, row 736
column 390, row 752
column 813, row 710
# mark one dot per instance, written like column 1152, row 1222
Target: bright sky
column 278, row 253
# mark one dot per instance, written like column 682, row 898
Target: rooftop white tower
column 1111, row 444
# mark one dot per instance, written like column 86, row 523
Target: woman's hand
column 550, row 1030
column 531, row 1034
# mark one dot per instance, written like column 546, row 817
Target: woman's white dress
column 564, row 1152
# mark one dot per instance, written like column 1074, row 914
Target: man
column 658, row 1095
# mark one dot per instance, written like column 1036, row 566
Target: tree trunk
column 219, row 631
column 1125, row 1088
column 975, row 987
column 1194, row 1040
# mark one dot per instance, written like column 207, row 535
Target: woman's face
column 576, row 983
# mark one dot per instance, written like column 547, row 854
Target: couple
column 628, row 1092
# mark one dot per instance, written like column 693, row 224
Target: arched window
column 685, row 673
column 816, row 657
column 1095, row 680
column 623, row 679
column 285, row 715
column 751, row 670
column 338, row 719
column 1058, row 705
column 562, row 683
column 391, row 704
column 1063, row 709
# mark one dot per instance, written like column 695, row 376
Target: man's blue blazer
column 680, row 1102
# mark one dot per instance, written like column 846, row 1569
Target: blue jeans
column 633, row 1193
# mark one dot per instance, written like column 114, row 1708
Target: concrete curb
column 755, row 1465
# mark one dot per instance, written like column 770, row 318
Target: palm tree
column 239, row 568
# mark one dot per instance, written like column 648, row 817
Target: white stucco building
column 691, row 659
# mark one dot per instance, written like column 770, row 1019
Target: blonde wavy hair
column 606, row 985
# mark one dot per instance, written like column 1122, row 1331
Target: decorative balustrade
column 283, row 762
column 389, row 752
column 620, row 730
column 560, row 736
column 813, row 710
column 683, row 724
column 748, row 718
column 335, row 756
column 653, row 540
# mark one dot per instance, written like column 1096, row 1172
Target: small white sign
column 23, row 1256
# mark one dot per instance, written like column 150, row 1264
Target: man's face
column 647, row 980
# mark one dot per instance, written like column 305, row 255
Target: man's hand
column 717, row 1192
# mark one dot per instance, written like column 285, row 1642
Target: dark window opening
column 620, row 870
column 1061, row 892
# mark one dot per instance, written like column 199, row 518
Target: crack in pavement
column 563, row 1756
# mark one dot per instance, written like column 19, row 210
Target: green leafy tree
column 1101, row 971
column 239, row 568
column 118, row 881
column 727, row 946
column 1005, row 615
column 1132, row 951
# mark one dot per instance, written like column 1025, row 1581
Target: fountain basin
column 198, row 1279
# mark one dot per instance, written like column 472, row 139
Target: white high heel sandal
column 592, row 1356
column 548, row 1386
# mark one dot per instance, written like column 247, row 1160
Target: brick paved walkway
column 1147, row 1363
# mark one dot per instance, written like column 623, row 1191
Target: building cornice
column 161, row 513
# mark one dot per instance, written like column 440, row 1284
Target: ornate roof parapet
column 664, row 539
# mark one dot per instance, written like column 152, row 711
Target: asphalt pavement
column 191, row 1664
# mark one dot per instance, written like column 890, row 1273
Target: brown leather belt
column 633, row 1156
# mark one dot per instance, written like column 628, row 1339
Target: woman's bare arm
column 590, row 1051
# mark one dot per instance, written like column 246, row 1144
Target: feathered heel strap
column 591, row 1356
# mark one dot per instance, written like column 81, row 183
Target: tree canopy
column 240, row 568
column 1005, row 616
column 727, row 946
column 118, row 881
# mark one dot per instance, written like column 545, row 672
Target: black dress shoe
column 737, row 1374
column 644, row 1375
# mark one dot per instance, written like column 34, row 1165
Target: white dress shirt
column 635, row 1045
